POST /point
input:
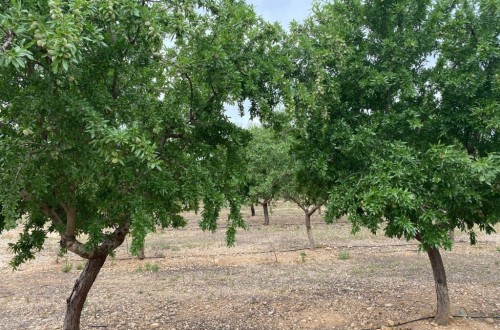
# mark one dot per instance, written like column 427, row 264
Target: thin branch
column 115, row 92
column 314, row 209
column 191, row 110
column 8, row 40
column 299, row 204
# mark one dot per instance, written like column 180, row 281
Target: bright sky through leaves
column 283, row 12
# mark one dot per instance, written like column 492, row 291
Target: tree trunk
column 252, row 208
column 443, row 300
column 140, row 254
column 266, row 213
column 309, row 231
column 451, row 233
column 74, row 304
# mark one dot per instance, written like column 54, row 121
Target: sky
column 282, row 11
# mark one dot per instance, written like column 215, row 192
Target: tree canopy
column 399, row 101
column 112, row 116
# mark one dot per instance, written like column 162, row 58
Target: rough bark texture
column 265, row 206
column 309, row 230
column 79, row 294
column 443, row 299
column 252, row 208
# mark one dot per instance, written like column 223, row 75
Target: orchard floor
column 270, row 280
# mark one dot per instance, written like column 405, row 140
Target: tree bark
column 252, row 208
column 266, row 213
column 74, row 303
column 140, row 254
column 443, row 299
column 309, row 231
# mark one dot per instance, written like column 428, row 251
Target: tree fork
column 74, row 304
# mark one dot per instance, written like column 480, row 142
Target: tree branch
column 115, row 92
column 8, row 40
column 70, row 220
column 191, row 110
column 314, row 209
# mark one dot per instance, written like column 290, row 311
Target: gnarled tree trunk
column 79, row 294
column 443, row 299
column 252, row 209
column 265, row 206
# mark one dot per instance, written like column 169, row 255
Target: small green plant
column 302, row 256
column 498, row 248
column 148, row 266
column 67, row 267
column 343, row 255
column 80, row 265
column 139, row 269
column 154, row 268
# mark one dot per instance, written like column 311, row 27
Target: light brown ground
column 270, row 280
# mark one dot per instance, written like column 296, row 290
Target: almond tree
column 399, row 102
column 267, row 167
column 112, row 120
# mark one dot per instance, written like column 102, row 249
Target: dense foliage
column 399, row 104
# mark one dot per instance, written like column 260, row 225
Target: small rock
column 304, row 321
column 489, row 320
column 384, row 327
column 388, row 305
column 391, row 323
column 434, row 324
column 154, row 325
column 369, row 309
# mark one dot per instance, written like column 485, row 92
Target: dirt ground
column 270, row 280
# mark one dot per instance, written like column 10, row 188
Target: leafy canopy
column 401, row 113
column 112, row 115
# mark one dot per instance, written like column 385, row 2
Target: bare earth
column 270, row 280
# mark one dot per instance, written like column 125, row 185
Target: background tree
column 107, row 128
column 267, row 167
column 399, row 102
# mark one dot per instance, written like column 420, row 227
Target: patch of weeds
column 80, row 265
column 148, row 267
column 67, row 267
column 498, row 248
column 139, row 269
column 344, row 255
column 302, row 256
